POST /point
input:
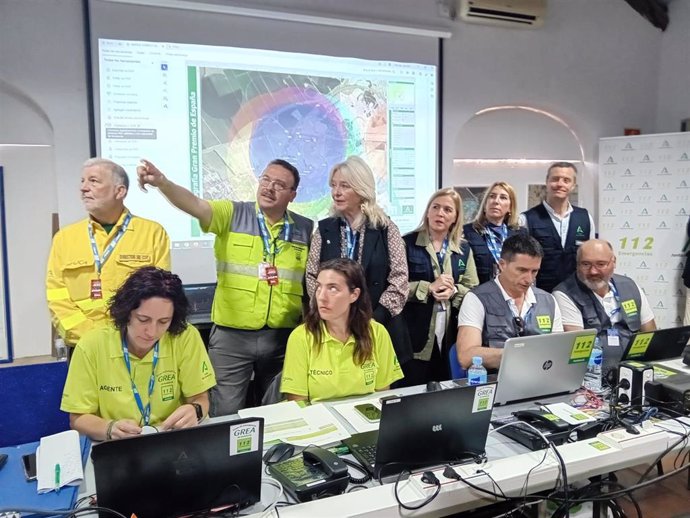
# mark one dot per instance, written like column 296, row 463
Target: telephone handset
column 546, row 419
column 326, row 461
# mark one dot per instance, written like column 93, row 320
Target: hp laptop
column 662, row 344
column 543, row 365
column 426, row 429
column 181, row 471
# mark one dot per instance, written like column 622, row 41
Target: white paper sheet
column 288, row 422
column 63, row 450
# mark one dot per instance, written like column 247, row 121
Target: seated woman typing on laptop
column 340, row 350
column 148, row 368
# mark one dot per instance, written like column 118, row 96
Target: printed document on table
column 288, row 422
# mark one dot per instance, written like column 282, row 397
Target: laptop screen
column 182, row 471
column 543, row 365
column 435, row 427
column 200, row 297
column 662, row 344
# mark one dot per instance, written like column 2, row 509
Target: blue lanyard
column 97, row 258
column 616, row 297
column 352, row 238
column 441, row 255
column 495, row 246
column 145, row 412
column 265, row 236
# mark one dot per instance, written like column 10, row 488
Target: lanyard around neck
column 441, row 254
column 266, row 237
column 616, row 297
column 494, row 245
column 351, row 237
column 145, row 411
column 99, row 260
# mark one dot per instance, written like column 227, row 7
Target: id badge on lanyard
column 96, row 288
column 269, row 272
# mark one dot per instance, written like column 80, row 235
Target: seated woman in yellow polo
column 148, row 368
column 339, row 350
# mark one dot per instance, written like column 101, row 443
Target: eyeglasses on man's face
column 599, row 265
column 276, row 185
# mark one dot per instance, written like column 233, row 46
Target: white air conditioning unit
column 508, row 13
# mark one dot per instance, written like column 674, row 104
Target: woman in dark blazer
column 441, row 271
column 496, row 221
column 360, row 230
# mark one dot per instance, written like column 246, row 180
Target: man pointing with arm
column 261, row 252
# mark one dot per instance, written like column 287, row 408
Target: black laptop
column 179, row 472
column 426, row 429
column 662, row 344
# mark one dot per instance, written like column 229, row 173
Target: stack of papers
column 288, row 422
column 58, row 461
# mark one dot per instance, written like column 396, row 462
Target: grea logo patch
column 166, row 377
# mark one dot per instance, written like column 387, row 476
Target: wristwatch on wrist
column 199, row 411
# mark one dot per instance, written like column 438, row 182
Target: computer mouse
column 279, row 452
column 433, row 386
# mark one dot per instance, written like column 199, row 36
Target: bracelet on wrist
column 109, row 431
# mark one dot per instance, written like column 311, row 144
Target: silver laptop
column 543, row 365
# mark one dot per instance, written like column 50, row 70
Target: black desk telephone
column 547, row 420
column 315, row 473
column 326, row 461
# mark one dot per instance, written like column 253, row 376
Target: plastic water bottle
column 60, row 350
column 476, row 374
column 592, row 379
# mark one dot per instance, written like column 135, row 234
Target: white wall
column 595, row 63
column 42, row 101
column 674, row 70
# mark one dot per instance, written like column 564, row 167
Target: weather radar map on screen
column 212, row 118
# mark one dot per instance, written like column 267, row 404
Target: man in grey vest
column 596, row 298
column 507, row 306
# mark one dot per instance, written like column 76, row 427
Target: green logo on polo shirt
column 167, row 392
column 579, row 231
column 369, row 369
column 461, row 263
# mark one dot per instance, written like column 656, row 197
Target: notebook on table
column 182, row 471
column 662, row 344
column 426, row 429
column 543, row 365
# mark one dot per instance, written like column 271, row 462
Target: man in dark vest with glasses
column 507, row 306
column 596, row 298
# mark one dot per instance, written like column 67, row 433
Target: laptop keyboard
column 368, row 453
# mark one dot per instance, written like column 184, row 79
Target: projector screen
column 211, row 118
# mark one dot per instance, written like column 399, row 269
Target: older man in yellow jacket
column 91, row 258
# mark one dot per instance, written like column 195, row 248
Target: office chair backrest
column 30, row 398
column 456, row 370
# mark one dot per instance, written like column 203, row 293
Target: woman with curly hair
column 149, row 368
